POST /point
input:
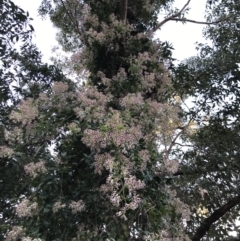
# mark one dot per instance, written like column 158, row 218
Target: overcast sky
column 182, row 36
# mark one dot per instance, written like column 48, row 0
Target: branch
column 182, row 128
column 175, row 17
column 184, row 145
column 170, row 18
column 215, row 216
column 199, row 22
column 124, row 11
column 173, row 141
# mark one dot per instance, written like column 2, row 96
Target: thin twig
column 177, row 143
column 176, row 137
column 198, row 22
column 173, row 142
column 175, row 17
column 170, row 17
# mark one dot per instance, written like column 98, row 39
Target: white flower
column 33, row 169
column 77, row 206
column 14, row 234
column 57, row 206
column 26, row 208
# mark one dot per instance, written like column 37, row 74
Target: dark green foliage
column 22, row 74
column 212, row 80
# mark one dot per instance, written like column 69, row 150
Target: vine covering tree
column 104, row 159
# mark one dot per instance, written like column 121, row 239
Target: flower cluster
column 114, row 132
column 59, row 88
column 133, row 205
column 120, row 77
column 14, row 234
column 112, row 184
column 145, row 156
column 178, row 235
column 95, row 139
column 133, row 184
column 133, row 102
column 78, row 206
column 152, row 237
column 108, row 32
column 103, row 161
column 93, row 105
column 26, row 113
column 57, row 101
column 6, row 151
column 31, row 239
column 57, row 206
column 13, row 135
column 180, row 207
column 170, row 166
column 156, row 109
column 115, row 199
column 26, row 208
column 33, row 169
column 106, row 81
column 73, row 127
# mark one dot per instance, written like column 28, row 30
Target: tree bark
column 124, row 10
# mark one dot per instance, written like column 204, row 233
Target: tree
column 22, row 75
column 107, row 178
column 212, row 78
column 125, row 193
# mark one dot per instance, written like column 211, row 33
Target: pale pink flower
column 78, row 206
column 171, row 166
column 133, row 102
column 6, row 151
column 26, row 208
column 58, row 205
column 60, row 88
column 30, row 239
column 94, row 139
column 133, row 184
column 145, row 156
column 135, row 203
column 103, row 161
column 26, row 113
column 181, row 208
column 33, row 169
column 14, row 234
column 121, row 76
column 115, row 199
